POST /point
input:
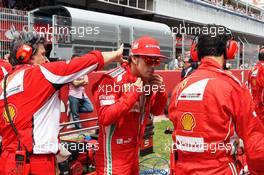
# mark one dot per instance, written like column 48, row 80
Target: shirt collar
column 128, row 69
column 207, row 62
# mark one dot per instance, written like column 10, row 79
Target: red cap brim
column 152, row 55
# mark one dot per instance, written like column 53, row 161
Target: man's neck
column 219, row 59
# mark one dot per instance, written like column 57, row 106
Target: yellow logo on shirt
column 12, row 112
column 188, row 121
column 183, row 83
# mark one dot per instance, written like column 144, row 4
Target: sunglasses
column 152, row 61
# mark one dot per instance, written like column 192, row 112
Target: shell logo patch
column 12, row 111
column 254, row 82
column 188, row 121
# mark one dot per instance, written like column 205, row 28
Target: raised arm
column 66, row 71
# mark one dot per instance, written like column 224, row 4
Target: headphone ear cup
column 231, row 49
column 194, row 53
column 24, row 53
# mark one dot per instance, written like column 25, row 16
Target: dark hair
column 213, row 44
column 129, row 60
column 261, row 53
column 31, row 38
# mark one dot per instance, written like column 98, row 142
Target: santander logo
column 152, row 46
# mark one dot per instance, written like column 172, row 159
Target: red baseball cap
column 146, row 46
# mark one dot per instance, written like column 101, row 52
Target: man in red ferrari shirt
column 125, row 98
column 5, row 66
column 33, row 104
column 211, row 108
column 256, row 84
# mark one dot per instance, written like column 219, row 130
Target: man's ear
column 134, row 60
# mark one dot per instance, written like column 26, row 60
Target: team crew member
column 34, row 107
column 123, row 108
column 188, row 67
column 256, row 84
column 5, row 66
column 209, row 108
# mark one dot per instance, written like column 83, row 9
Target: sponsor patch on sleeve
column 106, row 100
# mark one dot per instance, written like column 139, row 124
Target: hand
column 139, row 83
column 114, row 55
column 78, row 83
column 119, row 54
column 129, row 87
column 85, row 82
column 156, row 80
